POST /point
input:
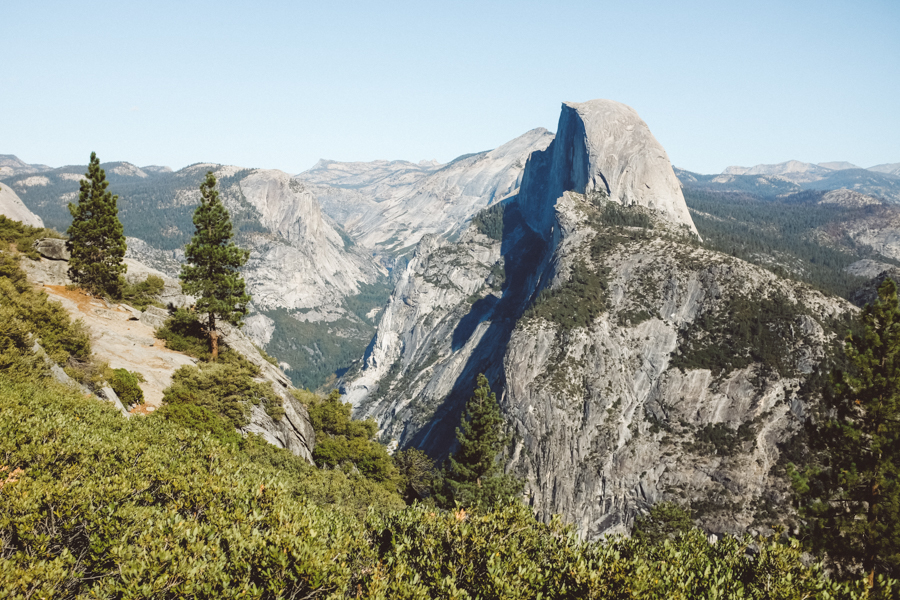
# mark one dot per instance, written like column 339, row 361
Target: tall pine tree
column 474, row 477
column 850, row 495
column 211, row 272
column 96, row 238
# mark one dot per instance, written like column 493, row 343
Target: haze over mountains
column 569, row 269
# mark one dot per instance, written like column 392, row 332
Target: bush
column 201, row 419
column 94, row 505
column 108, row 507
column 24, row 236
column 127, row 387
column 34, row 312
column 144, row 293
column 183, row 333
column 223, row 388
column 344, row 443
column 666, row 521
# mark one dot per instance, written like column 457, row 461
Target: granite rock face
column 604, row 147
column 52, row 248
column 392, row 205
column 599, row 335
column 11, row 206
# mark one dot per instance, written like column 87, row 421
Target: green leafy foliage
column 127, row 386
column 849, row 493
column 343, row 443
column 26, row 310
column 140, row 508
column 94, row 505
column 96, row 237
column 506, row 554
column 225, row 388
column 24, row 236
column 474, row 477
column 144, row 293
column 183, row 333
column 666, row 521
column 211, row 272
column 201, row 419
column 418, row 474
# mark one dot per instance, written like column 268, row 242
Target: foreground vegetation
column 95, row 505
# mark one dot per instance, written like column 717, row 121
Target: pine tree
column 850, row 495
column 474, row 477
column 96, row 238
column 211, row 272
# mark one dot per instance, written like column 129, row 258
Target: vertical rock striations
column 635, row 366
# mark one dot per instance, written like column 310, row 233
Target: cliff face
column 604, row 147
column 392, row 205
column 626, row 356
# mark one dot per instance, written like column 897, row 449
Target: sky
column 283, row 84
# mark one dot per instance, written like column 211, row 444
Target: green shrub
column 127, row 387
column 666, row 521
column 144, row 293
column 24, row 236
column 344, row 443
column 94, row 505
column 224, row 389
column 58, row 335
column 107, row 507
column 200, row 418
column 183, row 333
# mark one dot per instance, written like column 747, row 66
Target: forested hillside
column 785, row 234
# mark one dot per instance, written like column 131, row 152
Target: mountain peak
column 604, row 146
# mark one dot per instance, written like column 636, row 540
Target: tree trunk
column 213, row 337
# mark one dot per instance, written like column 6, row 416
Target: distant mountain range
column 794, row 176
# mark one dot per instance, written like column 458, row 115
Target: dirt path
column 120, row 339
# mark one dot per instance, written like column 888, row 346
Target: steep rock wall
column 625, row 355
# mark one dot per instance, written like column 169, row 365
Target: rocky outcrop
column 124, row 338
column 11, row 206
column 52, row 248
column 293, row 431
column 618, row 345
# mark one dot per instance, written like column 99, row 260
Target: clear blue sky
column 282, row 84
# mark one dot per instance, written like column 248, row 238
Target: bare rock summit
column 603, row 146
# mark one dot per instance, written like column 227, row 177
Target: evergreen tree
column 850, row 495
column 666, row 521
column 211, row 272
column 96, row 238
column 474, row 477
